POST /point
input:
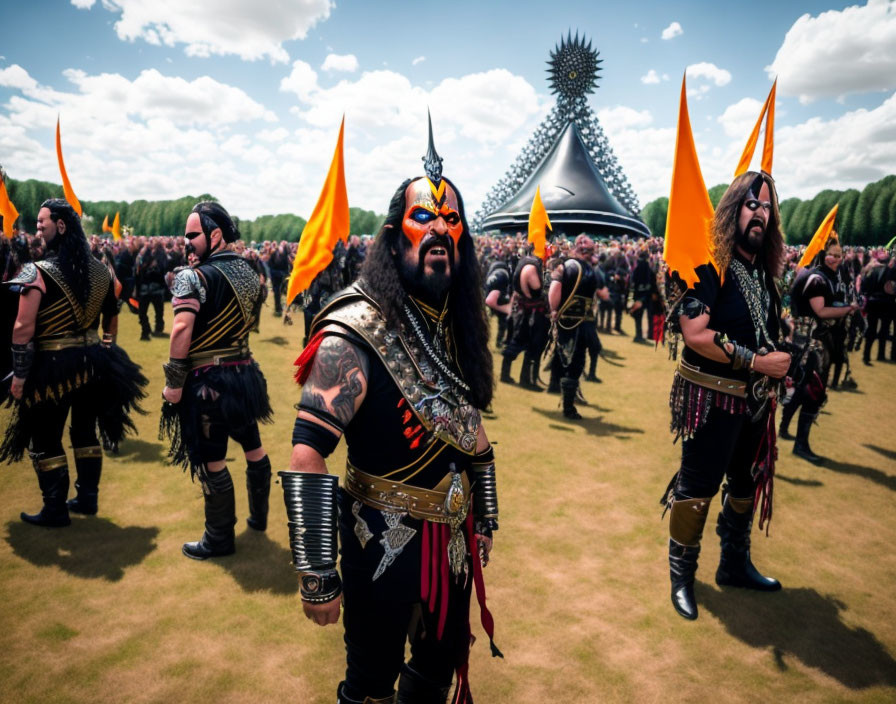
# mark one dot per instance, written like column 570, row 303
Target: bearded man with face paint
column 214, row 390
column 61, row 364
column 719, row 398
column 398, row 363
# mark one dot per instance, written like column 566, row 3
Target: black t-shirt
column 729, row 314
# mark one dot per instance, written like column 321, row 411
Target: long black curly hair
column 381, row 279
column 70, row 250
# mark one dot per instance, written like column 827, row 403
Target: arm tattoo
column 337, row 375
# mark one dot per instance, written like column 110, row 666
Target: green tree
column 716, row 193
column 845, row 215
column 654, row 216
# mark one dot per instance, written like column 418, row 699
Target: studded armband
column 311, row 513
column 739, row 356
column 22, row 358
column 485, row 490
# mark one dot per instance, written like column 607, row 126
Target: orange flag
column 690, row 211
column 116, row 228
column 66, row 185
column 768, row 112
column 7, row 210
column 820, row 238
column 327, row 225
column 106, row 227
column 539, row 222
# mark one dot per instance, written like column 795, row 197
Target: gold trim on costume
column 51, row 463
column 85, row 452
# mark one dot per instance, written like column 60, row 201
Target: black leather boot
column 529, row 374
column 414, row 689
column 554, row 382
column 735, row 566
column 89, row 464
column 220, row 517
column 801, row 446
column 592, row 371
column 343, row 698
column 568, row 388
column 52, row 477
column 788, row 410
column 258, row 485
column 686, row 521
column 505, row 371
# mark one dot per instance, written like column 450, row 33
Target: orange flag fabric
column 329, row 223
column 7, row 210
column 106, row 227
column 66, row 184
column 767, row 112
column 116, row 228
column 690, row 213
column 539, row 223
column 820, row 238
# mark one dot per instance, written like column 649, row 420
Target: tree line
column 866, row 217
column 167, row 217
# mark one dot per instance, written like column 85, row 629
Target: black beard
column 747, row 243
column 430, row 288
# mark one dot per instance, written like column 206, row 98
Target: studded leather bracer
column 485, row 490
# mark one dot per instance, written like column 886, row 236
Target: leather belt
column 213, row 358
column 91, row 337
column 438, row 505
column 710, row 381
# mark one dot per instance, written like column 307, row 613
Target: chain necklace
column 757, row 299
column 434, row 355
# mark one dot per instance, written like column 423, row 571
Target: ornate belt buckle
column 455, row 499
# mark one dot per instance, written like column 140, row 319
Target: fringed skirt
column 690, row 405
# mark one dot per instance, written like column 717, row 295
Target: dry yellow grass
column 109, row 610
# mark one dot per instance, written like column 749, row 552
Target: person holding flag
column 399, row 364
column 727, row 309
column 528, row 304
column 818, row 300
column 214, row 389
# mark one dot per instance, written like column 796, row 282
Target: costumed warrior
column 214, row 390
column 574, row 287
column 722, row 398
column 60, row 364
column 819, row 308
column 528, row 318
column 399, row 364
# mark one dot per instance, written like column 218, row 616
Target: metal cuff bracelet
column 311, row 513
column 22, row 359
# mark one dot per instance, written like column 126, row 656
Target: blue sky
column 243, row 100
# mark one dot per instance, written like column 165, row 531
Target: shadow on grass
column 806, row 625
column 889, row 454
column 260, row 565
column 276, row 340
column 594, row 426
column 798, row 482
column 875, row 475
column 141, row 451
column 92, row 548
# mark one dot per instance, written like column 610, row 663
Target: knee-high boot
column 220, row 517
column 788, row 410
column 529, row 375
column 258, row 485
column 801, row 446
column 554, row 381
column 413, row 688
column 686, row 521
column 568, row 388
column 89, row 465
column 592, row 371
column 735, row 566
column 52, row 477
column 505, row 371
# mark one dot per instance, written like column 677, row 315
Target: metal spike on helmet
column 432, row 162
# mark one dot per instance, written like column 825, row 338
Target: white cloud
column 710, row 72
column 644, row 40
column 249, row 30
column 418, row 60
column 621, row 117
column 16, row 77
column 652, row 77
column 739, row 118
column 275, row 135
column 347, row 63
column 83, row 4
column 673, row 30
column 302, row 81
column 838, row 53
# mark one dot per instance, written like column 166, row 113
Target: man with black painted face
column 214, row 390
column 720, row 396
column 399, row 364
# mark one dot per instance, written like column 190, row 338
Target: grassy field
column 109, row 610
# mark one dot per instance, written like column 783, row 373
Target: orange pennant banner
column 539, row 223
column 106, row 227
column 66, row 184
column 820, row 238
column 767, row 112
column 690, row 213
column 116, row 228
column 7, row 210
column 328, row 224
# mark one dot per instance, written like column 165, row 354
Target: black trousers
column 724, row 447
column 878, row 322
column 529, row 334
column 277, row 285
column 158, row 303
column 571, row 348
column 46, row 437
column 216, row 432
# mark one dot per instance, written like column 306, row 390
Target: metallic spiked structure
column 573, row 71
